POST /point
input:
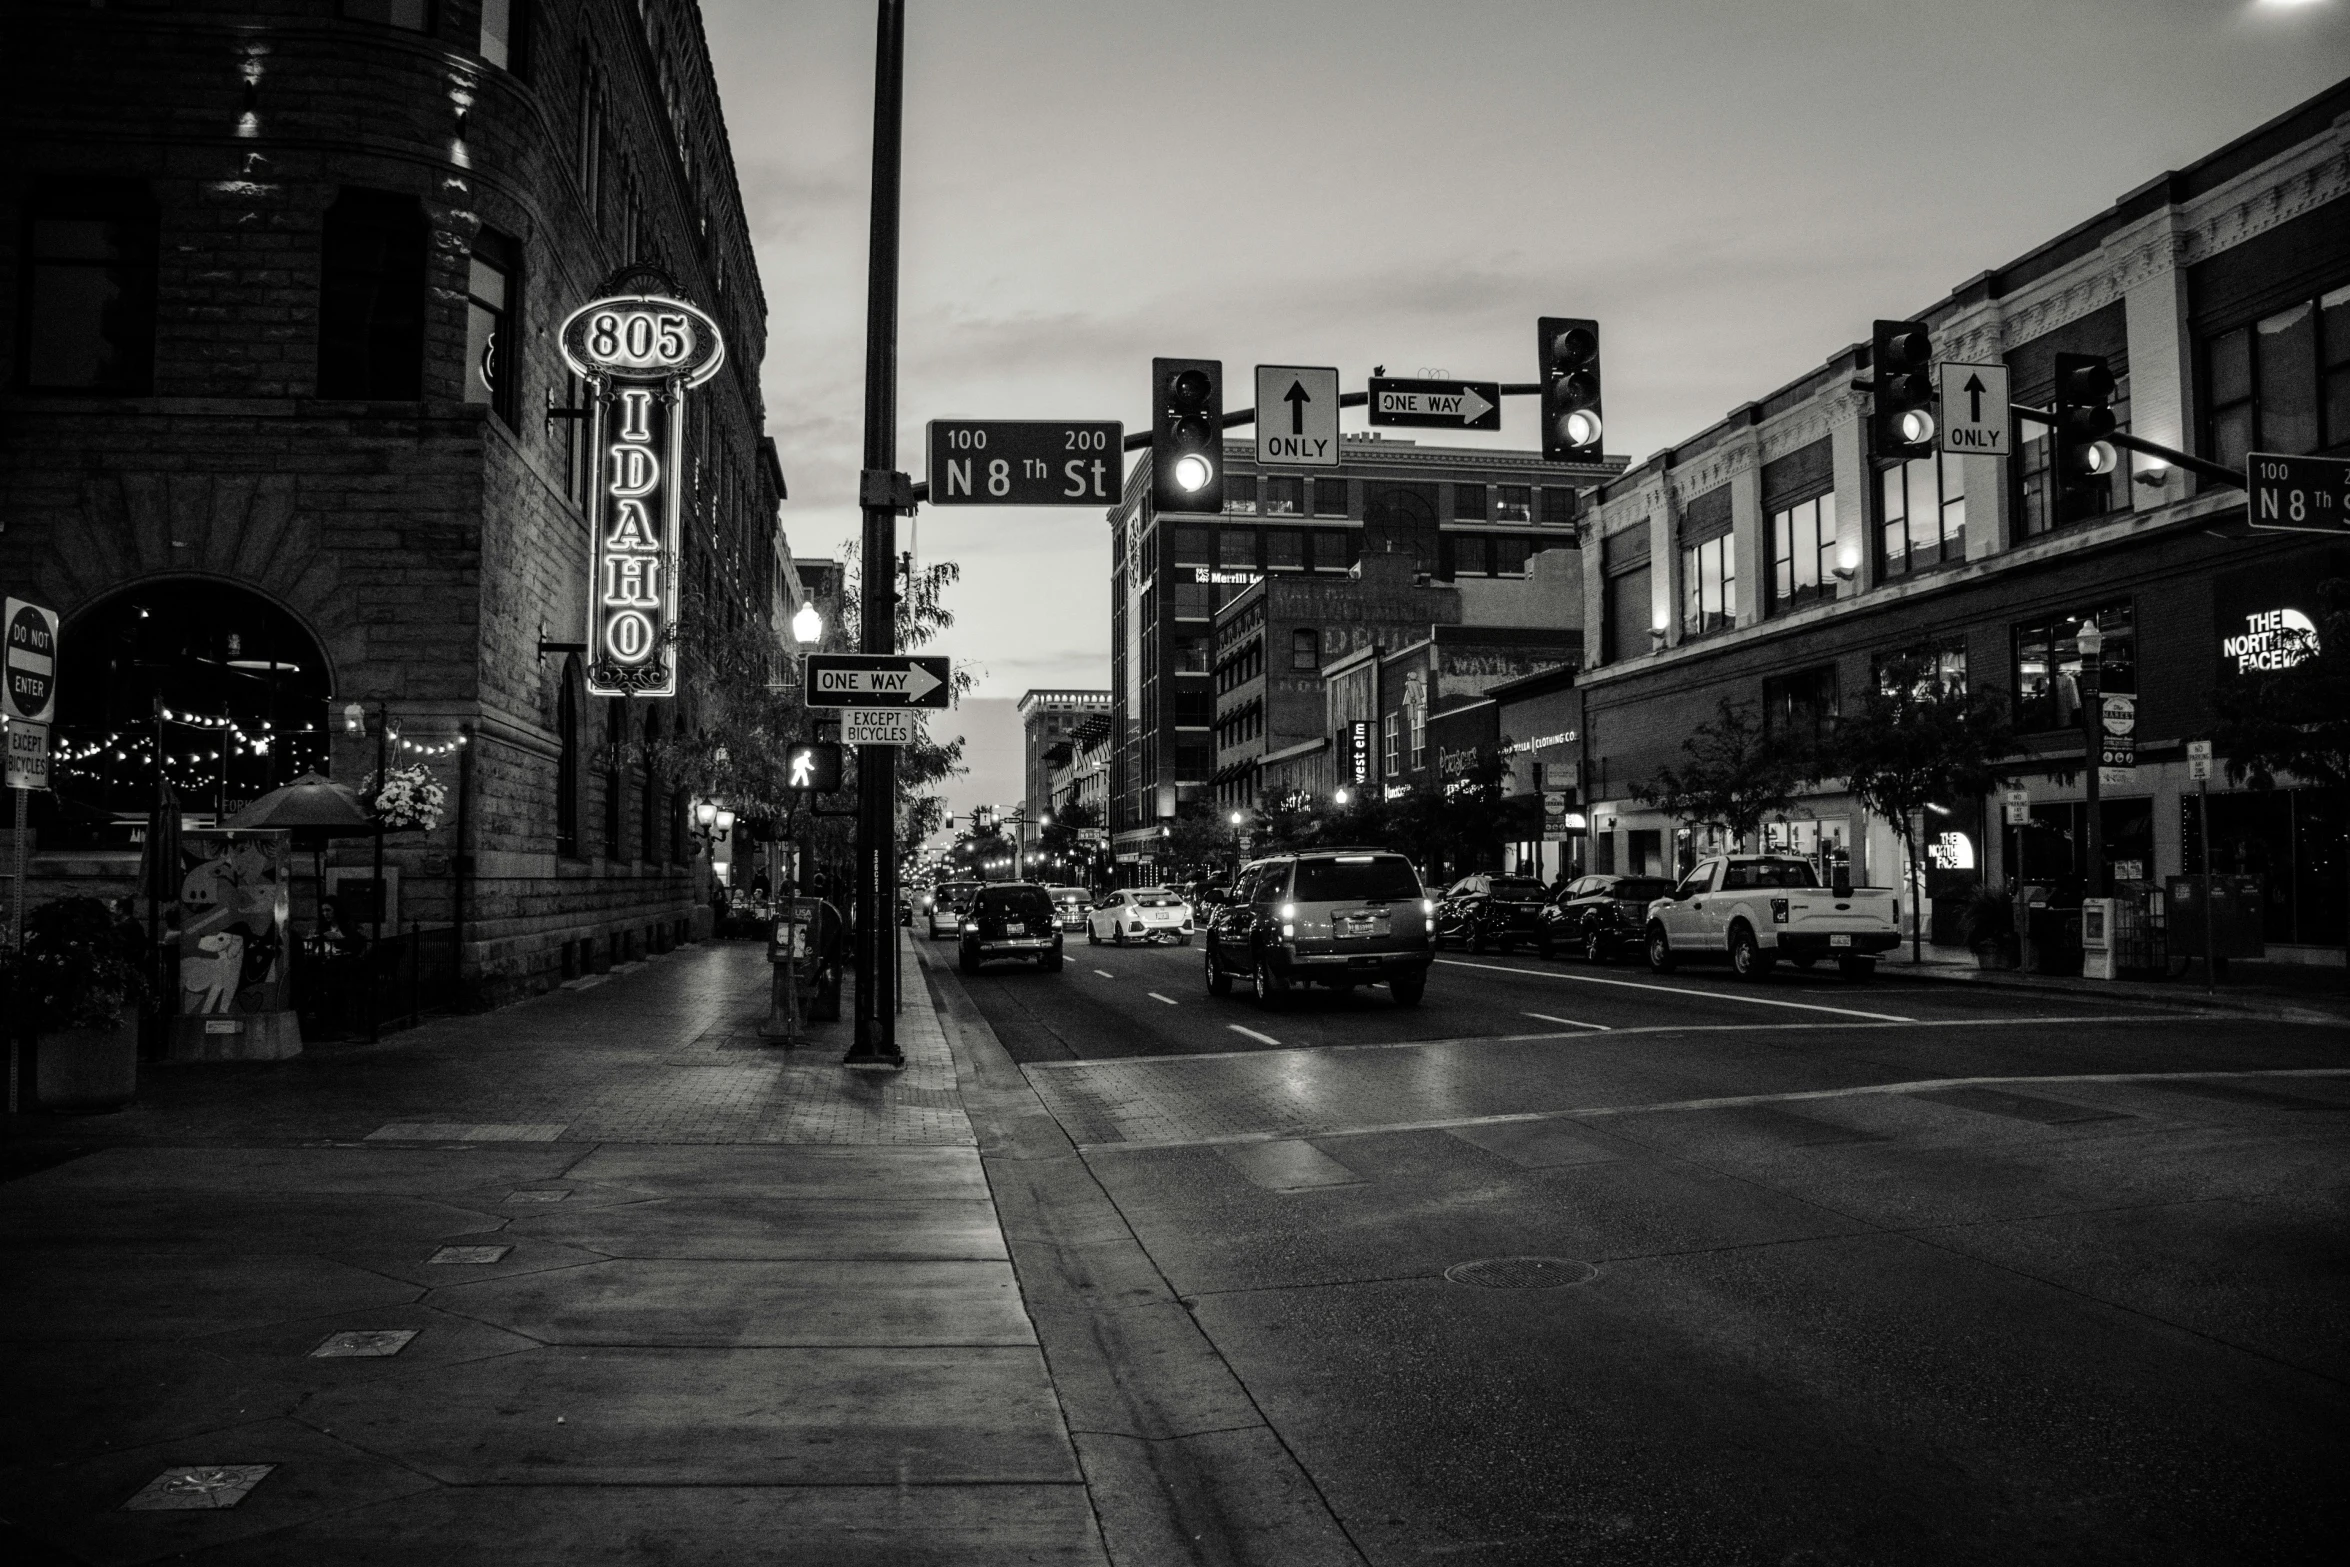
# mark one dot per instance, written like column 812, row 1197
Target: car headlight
column 1428, row 907
column 970, row 927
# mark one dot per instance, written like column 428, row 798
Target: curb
column 1997, row 979
column 1180, row 1463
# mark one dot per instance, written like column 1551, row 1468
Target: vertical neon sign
column 640, row 354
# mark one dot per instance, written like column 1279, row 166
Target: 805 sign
column 1025, row 462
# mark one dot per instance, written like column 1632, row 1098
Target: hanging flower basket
column 406, row 797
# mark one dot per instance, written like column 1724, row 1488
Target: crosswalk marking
column 1253, row 1034
column 1683, row 990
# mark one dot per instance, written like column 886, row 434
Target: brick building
column 1773, row 560
column 282, row 433
column 1047, row 720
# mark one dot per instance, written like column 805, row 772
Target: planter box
column 2001, row 954
column 85, row 1071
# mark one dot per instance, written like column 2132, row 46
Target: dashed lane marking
column 1544, row 1017
column 1105, row 973
column 1253, row 1034
column 1676, row 990
column 1155, row 996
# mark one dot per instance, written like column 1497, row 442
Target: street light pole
column 876, row 1032
column 2092, row 645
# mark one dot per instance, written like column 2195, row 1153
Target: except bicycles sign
column 640, row 354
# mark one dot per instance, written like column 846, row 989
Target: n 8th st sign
column 1025, row 462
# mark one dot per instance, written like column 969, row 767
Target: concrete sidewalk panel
column 159, row 1220
column 419, row 1172
column 71, row 1399
column 637, row 1416
column 641, row 1526
column 523, row 1254
column 752, row 1229
column 1141, row 1371
column 79, row 1505
column 748, row 1304
column 110, row 1293
column 785, row 1173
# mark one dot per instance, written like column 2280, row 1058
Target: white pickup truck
column 1755, row 909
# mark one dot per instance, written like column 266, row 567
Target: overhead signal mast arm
column 2200, row 467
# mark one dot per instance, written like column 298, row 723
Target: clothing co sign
column 639, row 353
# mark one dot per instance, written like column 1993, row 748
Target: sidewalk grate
column 363, row 1343
column 469, row 1254
column 198, row 1488
column 1522, row 1273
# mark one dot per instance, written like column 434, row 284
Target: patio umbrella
column 316, row 808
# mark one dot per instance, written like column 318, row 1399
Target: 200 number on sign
column 1025, row 462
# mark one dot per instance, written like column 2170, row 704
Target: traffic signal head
column 812, row 765
column 1900, row 362
column 1567, row 349
column 1187, row 435
column 2085, row 390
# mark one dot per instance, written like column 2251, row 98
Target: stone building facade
column 282, row 365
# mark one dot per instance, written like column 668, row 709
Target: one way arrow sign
column 877, row 680
column 1436, row 405
column 1975, row 420
column 1297, row 415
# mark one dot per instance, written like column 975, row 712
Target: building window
column 1709, row 577
column 1801, row 706
column 1509, row 557
column 1284, row 550
column 1285, row 496
column 1558, row 506
column 590, row 152
column 414, row 16
column 567, row 760
column 1236, row 549
column 1329, row 497
column 1240, row 494
column 1514, row 503
column 2041, row 510
column 88, row 301
column 1468, row 503
column 615, row 741
column 1416, row 716
column 649, row 803
column 501, row 33
column 1390, row 744
column 1803, row 553
column 1939, row 665
column 1305, row 650
column 1468, row 553
column 2282, row 384
column 1193, row 547
column 1922, row 515
column 2048, row 666
column 1191, row 654
column 371, row 304
column 492, row 354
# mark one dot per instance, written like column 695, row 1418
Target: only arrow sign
column 1297, row 398
column 1974, row 393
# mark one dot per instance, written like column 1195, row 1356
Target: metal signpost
column 1434, row 405
column 28, row 701
column 1026, row 462
column 2199, row 769
column 2298, row 494
column 1297, row 415
column 1975, row 419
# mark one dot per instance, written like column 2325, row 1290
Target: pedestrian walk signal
column 812, row 765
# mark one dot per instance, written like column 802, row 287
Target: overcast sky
column 1733, row 189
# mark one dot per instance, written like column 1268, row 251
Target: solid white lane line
column 1545, row 1017
column 1170, row 1000
column 1676, row 990
column 1252, row 1033
column 1105, row 973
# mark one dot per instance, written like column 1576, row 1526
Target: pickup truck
column 1755, row 909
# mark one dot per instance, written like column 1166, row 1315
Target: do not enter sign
column 29, row 694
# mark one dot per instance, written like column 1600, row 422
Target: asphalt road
column 1878, row 1271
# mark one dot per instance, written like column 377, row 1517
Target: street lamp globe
column 807, row 626
column 1339, row 798
column 706, row 812
column 725, row 819
column 1236, row 818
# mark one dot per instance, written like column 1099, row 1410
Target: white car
column 947, row 902
column 1137, row 914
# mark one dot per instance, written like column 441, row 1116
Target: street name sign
column 28, row 755
column 880, row 726
column 1434, row 405
column 1026, row 462
column 875, row 680
column 1297, row 415
column 1975, row 420
column 2298, row 494
column 29, row 693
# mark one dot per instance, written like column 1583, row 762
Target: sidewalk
column 597, row 1278
column 2286, row 993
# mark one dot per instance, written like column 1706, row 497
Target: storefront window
column 2048, row 666
column 1923, row 520
column 1710, row 586
column 1803, row 553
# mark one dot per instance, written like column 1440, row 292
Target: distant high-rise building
column 1048, row 717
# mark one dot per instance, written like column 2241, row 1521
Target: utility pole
column 881, row 490
column 2091, row 642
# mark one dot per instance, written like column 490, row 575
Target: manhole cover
column 1522, row 1273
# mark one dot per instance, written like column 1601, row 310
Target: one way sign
column 1435, row 405
column 1975, row 420
column 877, row 680
column 1297, row 415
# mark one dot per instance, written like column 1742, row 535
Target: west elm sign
column 640, row 354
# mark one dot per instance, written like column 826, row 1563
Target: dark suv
column 1484, row 911
column 1010, row 920
column 1338, row 917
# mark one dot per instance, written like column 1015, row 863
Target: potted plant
column 1987, row 924
column 78, row 986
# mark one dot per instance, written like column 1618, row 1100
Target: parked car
column 1339, row 918
column 1070, row 906
column 1484, row 911
column 1011, row 919
column 1755, row 909
column 1134, row 914
column 1597, row 917
column 947, row 901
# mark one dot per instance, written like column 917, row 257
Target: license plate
column 1839, row 941
column 1015, row 929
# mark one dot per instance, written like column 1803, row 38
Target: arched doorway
column 229, row 688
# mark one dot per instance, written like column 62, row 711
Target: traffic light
column 813, row 765
column 1900, row 359
column 2084, row 458
column 1187, row 434
column 1567, row 348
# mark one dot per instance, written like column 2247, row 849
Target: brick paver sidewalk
column 598, row 1278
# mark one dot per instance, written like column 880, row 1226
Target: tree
column 1460, row 826
column 1917, row 740
column 1199, row 840
column 1736, row 773
column 2293, row 720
